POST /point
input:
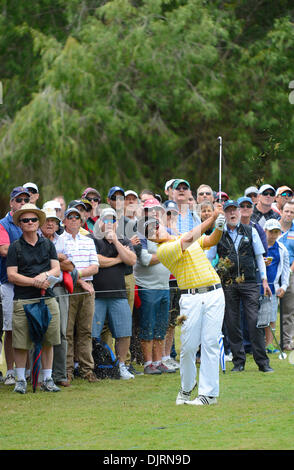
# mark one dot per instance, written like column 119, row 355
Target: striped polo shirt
column 80, row 251
column 191, row 267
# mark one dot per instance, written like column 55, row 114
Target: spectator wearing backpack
column 110, row 288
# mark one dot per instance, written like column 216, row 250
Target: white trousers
column 203, row 326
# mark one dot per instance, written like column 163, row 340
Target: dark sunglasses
column 287, row 193
column 73, row 216
column 182, row 188
column 268, row 193
column 22, row 199
column 109, row 221
column 95, row 199
column 248, row 206
column 252, row 195
column 207, row 193
column 26, row 220
column 32, row 190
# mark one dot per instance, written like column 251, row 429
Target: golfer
column 201, row 303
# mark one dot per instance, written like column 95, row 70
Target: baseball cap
column 244, row 199
column 52, row 205
column 179, row 181
column 130, row 191
column 51, row 214
column 264, row 187
column 91, row 190
column 70, row 210
column 169, row 183
column 230, row 203
column 108, row 211
column 250, row 190
column 222, row 195
column 19, row 190
column 281, row 189
column 31, row 185
column 171, row 206
column 152, row 203
column 75, row 203
column 114, row 189
column 272, row 224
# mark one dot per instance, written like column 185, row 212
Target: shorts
column 153, row 313
column 20, row 330
column 7, row 294
column 119, row 317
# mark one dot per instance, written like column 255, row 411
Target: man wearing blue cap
column 9, row 232
column 241, row 252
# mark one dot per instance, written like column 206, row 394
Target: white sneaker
column 9, row 379
column 171, row 364
column 228, row 357
column 183, row 397
column 202, row 400
column 124, row 373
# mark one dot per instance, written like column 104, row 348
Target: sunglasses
column 287, row 193
column 26, row 220
column 268, row 193
column 109, row 221
column 32, row 190
column 182, row 188
column 252, row 195
column 247, row 206
column 95, row 199
column 207, row 193
column 73, row 216
column 22, row 199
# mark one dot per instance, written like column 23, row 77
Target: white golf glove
column 220, row 222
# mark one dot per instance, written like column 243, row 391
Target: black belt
column 201, row 290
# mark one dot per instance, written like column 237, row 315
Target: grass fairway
column 254, row 411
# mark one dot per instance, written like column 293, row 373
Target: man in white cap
column 168, row 189
column 283, row 194
column 263, row 209
column 251, row 192
column 131, row 207
column 34, row 192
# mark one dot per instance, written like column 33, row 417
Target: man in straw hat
column 30, row 262
column 9, row 232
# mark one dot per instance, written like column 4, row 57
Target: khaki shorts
column 20, row 329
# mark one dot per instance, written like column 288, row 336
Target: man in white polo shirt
column 81, row 305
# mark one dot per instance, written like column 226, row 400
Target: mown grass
column 254, row 411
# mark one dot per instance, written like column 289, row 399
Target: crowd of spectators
column 110, row 285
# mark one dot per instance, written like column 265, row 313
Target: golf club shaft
column 220, row 168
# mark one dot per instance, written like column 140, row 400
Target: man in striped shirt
column 202, row 304
column 81, row 252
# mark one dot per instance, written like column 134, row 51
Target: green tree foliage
column 137, row 92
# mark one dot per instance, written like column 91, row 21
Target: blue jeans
column 154, row 313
